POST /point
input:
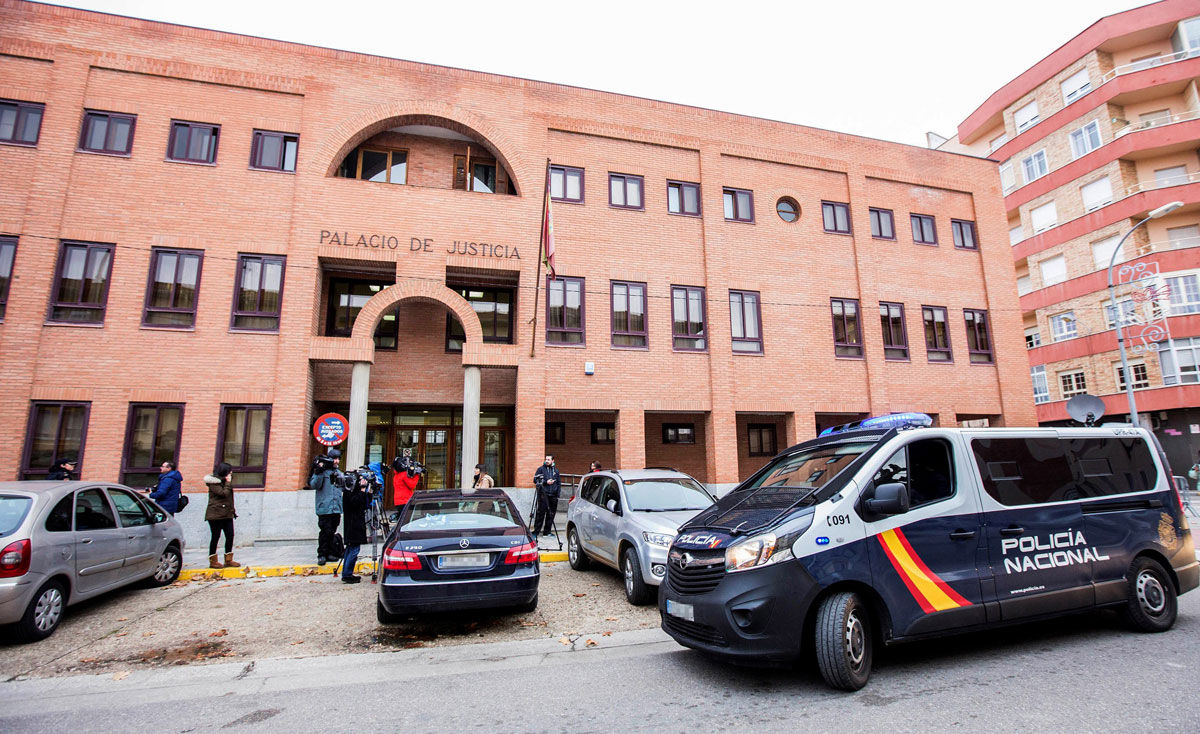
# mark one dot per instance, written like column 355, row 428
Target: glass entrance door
column 429, row 446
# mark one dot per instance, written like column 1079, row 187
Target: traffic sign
column 331, row 429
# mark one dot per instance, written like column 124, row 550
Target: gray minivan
column 63, row 542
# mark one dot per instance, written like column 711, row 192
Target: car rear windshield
column 459, row 515
column 12, row 513
column 666, row 495
column 811, row 469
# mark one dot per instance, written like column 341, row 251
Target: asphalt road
column 1079, row 674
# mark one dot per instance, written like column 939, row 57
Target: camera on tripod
column 365, row 479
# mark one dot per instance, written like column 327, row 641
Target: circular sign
column 330, row 429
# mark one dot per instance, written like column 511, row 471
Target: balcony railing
column 1148, row 64
column 1156, row 122
column 1178, row 180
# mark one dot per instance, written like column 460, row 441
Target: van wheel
column 383, row 615
column 843, row 642
column 575, row 555
column 43, row 614
column 637, row 592
column 1151, row 606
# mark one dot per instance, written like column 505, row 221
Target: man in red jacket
column 404, row 482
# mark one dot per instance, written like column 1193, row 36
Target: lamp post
column 1119, row 317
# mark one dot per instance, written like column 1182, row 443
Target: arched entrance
column 360, row 382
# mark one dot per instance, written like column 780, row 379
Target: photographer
column 355, row 499
column 548, row 487
column 327, row 481
column 404, row 483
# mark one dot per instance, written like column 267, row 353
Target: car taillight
column 395, row 559
column 522, row 553
column 14, row 559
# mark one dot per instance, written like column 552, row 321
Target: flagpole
column 537, row 281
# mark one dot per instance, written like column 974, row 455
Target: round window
column 787, row 209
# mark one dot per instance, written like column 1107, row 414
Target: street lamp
column 1162, row 211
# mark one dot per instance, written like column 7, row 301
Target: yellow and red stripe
column 930, row 591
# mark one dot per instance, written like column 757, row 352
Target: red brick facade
column 71, row 61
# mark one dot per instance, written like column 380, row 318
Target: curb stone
column 303, row 569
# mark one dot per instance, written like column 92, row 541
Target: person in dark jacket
column 547, row 482
column 220, row 514
column 170, row 485
column 327, row 482
column 354, row 525
column 62, row 469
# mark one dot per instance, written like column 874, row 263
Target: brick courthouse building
column 208, row 240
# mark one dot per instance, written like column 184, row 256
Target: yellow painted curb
column 303, row 569
column 553, row 556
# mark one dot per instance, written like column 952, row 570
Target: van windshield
column 810, row 469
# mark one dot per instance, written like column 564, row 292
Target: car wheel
column 843, row 642
column 575, row 556
column 170, row 563
column 1151, row 606
column 527, row 608
column 637, row 591
column 383, row 615
column 44, row 613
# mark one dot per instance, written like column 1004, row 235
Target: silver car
column 627, row 519
column 63, row 542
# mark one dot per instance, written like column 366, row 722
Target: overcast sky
column 881, row 68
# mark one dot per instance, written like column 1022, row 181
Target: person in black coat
column 62, row 469
column 355, row 500
column 547, row 482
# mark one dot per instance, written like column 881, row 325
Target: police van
column 889, row 530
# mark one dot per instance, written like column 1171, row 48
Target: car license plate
column 464, row 560
column 683, row 611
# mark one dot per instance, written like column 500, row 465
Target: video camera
column 363, row 478
column 408, row 465
column 326, row 462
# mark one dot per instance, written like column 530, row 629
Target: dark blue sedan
column 458, row 549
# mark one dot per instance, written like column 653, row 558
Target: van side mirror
column 888, row 499
column 612, row 507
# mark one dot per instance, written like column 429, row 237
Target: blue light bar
column 892, row 420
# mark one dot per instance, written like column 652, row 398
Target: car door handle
column 961, row 534
column 85, row 541
column 1012, row 530
column 131, row 537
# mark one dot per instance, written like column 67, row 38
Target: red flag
column 548, row 240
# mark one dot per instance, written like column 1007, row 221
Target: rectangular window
column 629, row 315
column 1141, row 379
column 556, row 433
column 1033, row 338
column 483, row 177
column 242, row 442
column 1008, row 180
column 193, row 142
column 8, row 253
column 107, row 132
column 679, row 432
column 1155, row 118
column 964, row 234
column 1180, row 361
column 258, row 293
column 564, row 311
column 1024, row 285
column 683, row 198
column 883, row 225
column 1085, row 139
column 1076, row 86
column 625, row 191
column 1054, row 270
column 689, row 321
column 80, row 292
column 1026, row 117
column 847, row 339
column 924, row 231
column 1062, row 326
column 1044, row 217
column 995, row 143
column 566, row 184
column 271, row 151
column 895, row 335
column 937, row 334
column 762, row 439
column 1102, row 252
column 172, row 289
column 1072, row 384
column 979, row 338
column 1173, row 176
column 1186, row 236
column 1096, row 194
column 739, row 205
column 745, row 315
column 1129, row 313
column 151, row 437
column 346, row 298
column 1041, row 389
column 835, row 217
column 1016, row 235
column 493, row 306
column 1034, row 471
column 603, row 433
column 1035, row 166
column 56, row 431
column 381, row 165
column 1185, row 294
column 20, row 122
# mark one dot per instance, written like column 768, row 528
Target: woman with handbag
column 220, row 514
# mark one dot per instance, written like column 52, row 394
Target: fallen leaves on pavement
column 120, row 675
column 219, row 633
column 579, row 595
column 591, row 643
